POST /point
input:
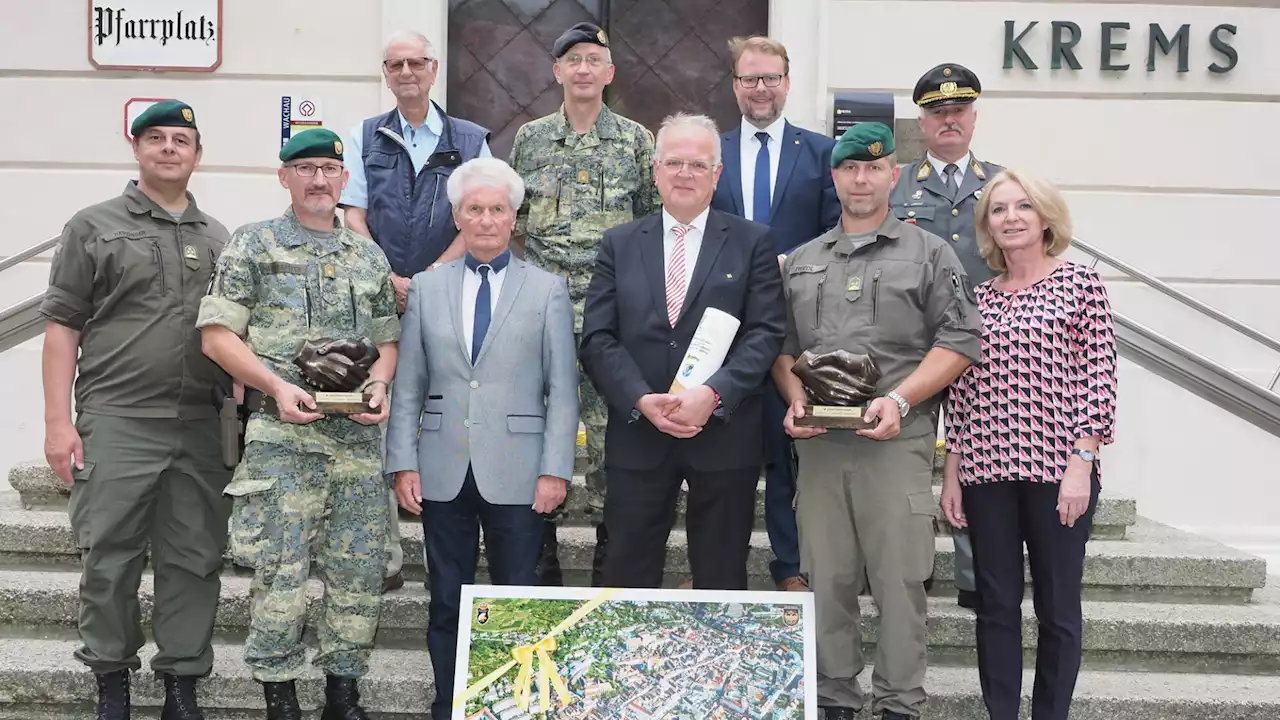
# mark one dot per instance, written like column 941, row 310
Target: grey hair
column 485, row 173
column 681, row 121
column 409, row 36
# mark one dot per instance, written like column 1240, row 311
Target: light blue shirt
column 421, row 142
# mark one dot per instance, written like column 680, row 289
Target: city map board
column 618, row 654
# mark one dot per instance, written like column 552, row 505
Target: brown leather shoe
column 794, row 584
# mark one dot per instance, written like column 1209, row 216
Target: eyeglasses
column 750, row 81
column 696, row 167
column 416, row 64
column 309, row 170
column 595, row 62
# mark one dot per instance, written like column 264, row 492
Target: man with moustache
column 878, row 286
column 585, row 169
column 655, row 279
column 309, row 491
column 400, row 164
column 124, row 288
column 778, row 175
column 939, row 193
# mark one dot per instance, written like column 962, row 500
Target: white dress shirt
column 692, row 244
column 750, row 148
column 470, row 289
column 939, row 166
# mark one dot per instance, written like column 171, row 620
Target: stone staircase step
column 43, row 680
column 1157, row 562
column 1118, row 635
column 39, row 488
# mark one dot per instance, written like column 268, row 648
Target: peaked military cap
column 166, row 113
column 313, row 143
column 583, row 32
column 865, row 141
column 947, row 84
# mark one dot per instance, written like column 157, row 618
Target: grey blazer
column 513, row 416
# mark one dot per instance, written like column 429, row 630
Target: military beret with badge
column 865, row 141
column 313, row 143
column 946, row 84
column 166, row 113
column 583, row 32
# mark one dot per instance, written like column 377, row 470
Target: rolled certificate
column 707, row 350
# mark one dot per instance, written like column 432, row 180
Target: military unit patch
column 188, row 115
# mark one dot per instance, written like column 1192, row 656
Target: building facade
column 1154, row 119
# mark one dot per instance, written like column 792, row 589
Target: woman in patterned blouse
column 1024, row 429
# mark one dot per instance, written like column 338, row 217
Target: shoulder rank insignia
column 917, row 195
column 855, row 283
column 978, row 171
column 328, row 271
column 583, row 177
column 189, row 252
column 925, row 168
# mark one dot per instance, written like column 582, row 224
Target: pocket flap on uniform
column 249, row 484
column 431, row 420
column 382, row 160
column 922, row 503
column 526, row 423
column 909, row 213
column 82, row 474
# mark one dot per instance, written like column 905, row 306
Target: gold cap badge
column 947, row 88
column 602, row 37
column 875, row 148
column 946, row 72
column 337, row 146
column 188, row 115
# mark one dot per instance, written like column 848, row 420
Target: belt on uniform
column 258, row 401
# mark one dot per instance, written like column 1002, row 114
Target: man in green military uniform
column 585, row 169
column 142, row 456
column 864, row 499
column 309, row 487
column 939, row 193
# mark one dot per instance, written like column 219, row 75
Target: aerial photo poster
column 615, row 654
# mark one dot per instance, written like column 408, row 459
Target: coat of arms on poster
column 181, row 35
column 610, row 654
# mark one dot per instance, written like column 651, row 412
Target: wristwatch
column 1086, row 455
column 904, row 407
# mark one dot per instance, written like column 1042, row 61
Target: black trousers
column 1002, row 516
column 640, row 510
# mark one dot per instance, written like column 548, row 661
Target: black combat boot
column 597, row 558
column 282, row 700
column 180, row 699
column 342, row 699
column 113, row 696
column 549, row 573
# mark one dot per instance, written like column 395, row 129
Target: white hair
column 485, row 173
column 409, row 36
column 684, row 121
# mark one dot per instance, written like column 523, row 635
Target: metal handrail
column 30, row 252
column 1158, row 284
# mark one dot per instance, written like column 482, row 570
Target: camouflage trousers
column 595, row 415
column 294, row 508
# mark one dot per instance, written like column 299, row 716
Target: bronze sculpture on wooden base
column 839, row 385
column 336, row 370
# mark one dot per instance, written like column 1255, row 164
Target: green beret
column 166, row 113
column 583, row 32
column 865, row 141
column 313, row 143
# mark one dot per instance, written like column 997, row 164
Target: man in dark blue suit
column 779, row 175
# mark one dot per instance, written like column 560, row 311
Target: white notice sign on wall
column 155, row 34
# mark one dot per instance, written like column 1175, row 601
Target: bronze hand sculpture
column 336, row 365
column 838, row 377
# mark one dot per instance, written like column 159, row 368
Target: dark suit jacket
column 629, row 348
column 804, row 198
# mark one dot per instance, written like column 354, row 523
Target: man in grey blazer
column 484, row 414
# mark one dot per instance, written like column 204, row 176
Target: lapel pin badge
column 729, row 276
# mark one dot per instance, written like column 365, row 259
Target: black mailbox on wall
column 851, row 108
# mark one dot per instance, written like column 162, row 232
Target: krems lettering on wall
column 1065, row 35
column 155, row 34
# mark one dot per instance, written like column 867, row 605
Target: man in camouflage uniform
column 306, row 481
column 585, row 170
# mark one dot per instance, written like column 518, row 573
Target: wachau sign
column 155, row 34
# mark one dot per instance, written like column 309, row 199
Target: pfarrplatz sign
column 155, row 34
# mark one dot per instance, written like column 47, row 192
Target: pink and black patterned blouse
column 1047, row 378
